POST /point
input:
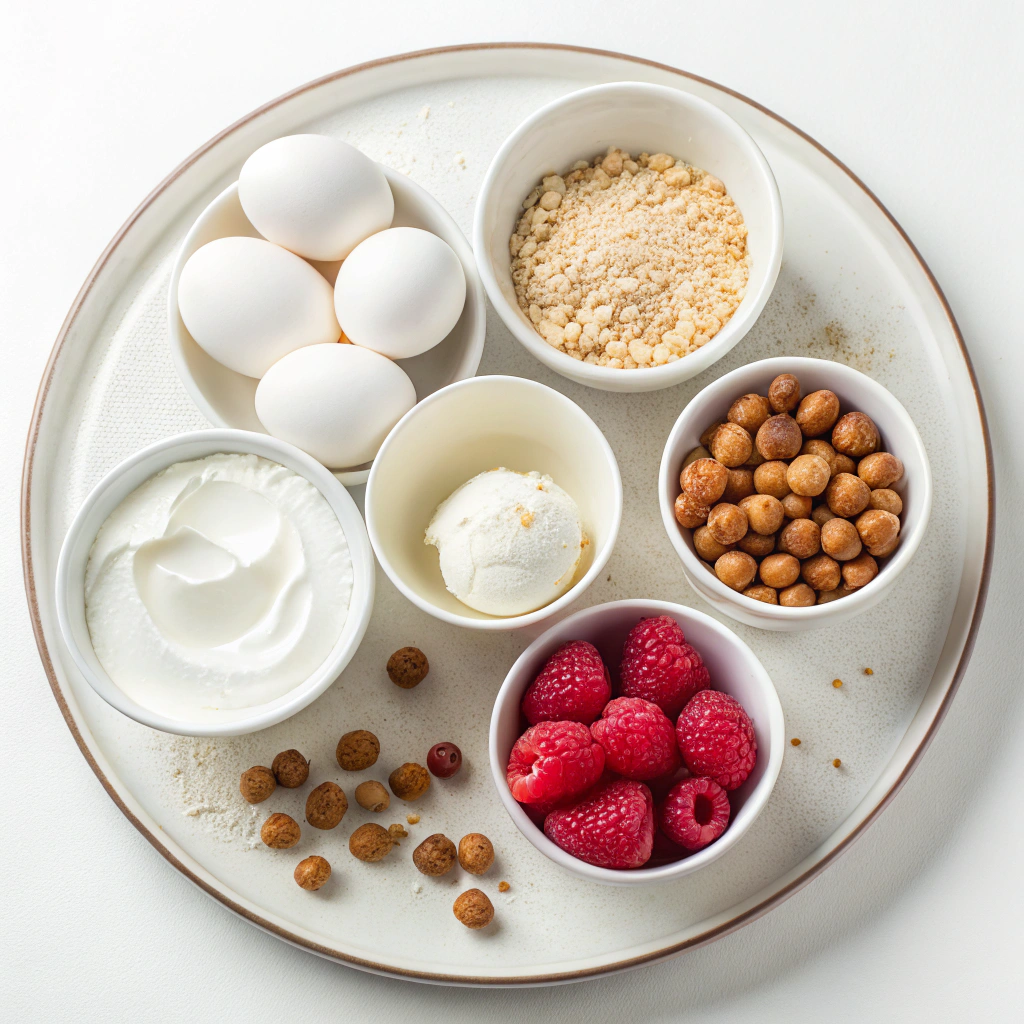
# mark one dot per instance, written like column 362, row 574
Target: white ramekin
column 734, row 669
column 856, row 391
column 634, row 116
column 125, row 478
column 462, row 430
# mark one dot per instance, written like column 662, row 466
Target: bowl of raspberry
column 636, row 741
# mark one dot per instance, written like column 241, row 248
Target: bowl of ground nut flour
column 629, row 235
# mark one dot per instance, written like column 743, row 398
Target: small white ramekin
column 634, row 116
column 734, row 669
column 856, row 391
column 227, row 398
column 462, row 430
column 125, row 478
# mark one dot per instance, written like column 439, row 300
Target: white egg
column 247, row 303
column 336, row 402
column 317, row 196
column 400, row 292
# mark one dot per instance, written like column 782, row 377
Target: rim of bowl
column 817, row 613
column 360, row 605
column 505, row 622
column 469, row 361
column 775, row 726
column 693, row 363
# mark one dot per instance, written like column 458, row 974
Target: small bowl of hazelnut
column 795, row 491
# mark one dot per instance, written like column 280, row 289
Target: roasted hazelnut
column 757, row 545
column 397, row 831
column 839, row 539
column 886, row 549
column 280, row 832
column 808, row 475
column 797, row 506
column 797, row 596
column 784, row 393
column 290, row 769
column 408, row 667
column 759, row 592
column 476, row 854
column 357, row 750
column 706, row 546
column 770, row 478
column 736, row 569
column 821, row 572
column 855, row 435
column 877, row 528
column 372, row 796
column 727, row 523
column 843, row 464
column 822, row 514
column 700, row 452
column 755, row 460
column 780, row 571
column 859, row 571
column 817, row 413
column 444, row 760
column 887, row 500
column 690, row 513
column 823, row 450
column 704, row 480
column 435, row 855
column 764, row 513
column 834, row 595
column 312, row 873
column 880, row 469
column 779, row 437
column 409, row 781
column 705, row 438
column 749, row 411
column 739, row 485
column 326, row 805
column 473, row 909
column 257, row 783
column 800, row 538
column 731, row 445
column 847, row 495
column 371, row 842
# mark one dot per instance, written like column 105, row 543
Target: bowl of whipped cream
column 215, row 583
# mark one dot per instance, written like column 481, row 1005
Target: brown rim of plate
column 699, row 940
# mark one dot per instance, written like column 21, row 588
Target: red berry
column 612, row 827
column 444, row 760
column 553, row 761
column 572, row 686
column 638, row 738
column 660, row 666
column 695, row 813
column 664, row 851
column 716, row 738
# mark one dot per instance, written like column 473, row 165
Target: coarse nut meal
column 629, row 262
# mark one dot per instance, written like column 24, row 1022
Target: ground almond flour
column 629, row 263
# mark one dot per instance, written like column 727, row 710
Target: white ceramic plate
column 851, row 287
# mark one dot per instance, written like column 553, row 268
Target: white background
column 921, row 919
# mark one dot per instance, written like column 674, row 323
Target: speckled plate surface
column 852, row 288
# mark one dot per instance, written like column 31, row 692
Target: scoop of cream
column 508, row 543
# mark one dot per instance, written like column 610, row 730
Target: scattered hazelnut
column 764, row 513
column 855, row 435
column 795, row 742
column 779, row 437
column 435, row 855
column 503, row 887
column 372, row 796
column 476, row 854
column 749, row 411
column 887, row 500
column 731, row 445
column 823, row 450
column 326, row 805
column 847, row 495
column 821, row 572
column 797, row 506
column 784, row 393
column 739, row 485
column 413, row 819
column 357, row 750
column 397, row 831
column 839, row 539
column 690, row 513
column 800, row 538
column 757, row 544
column 877, row 529
column 408, row 667
column 409, row 781
column 257, row 783
column 312, row 873
column 370, row 842
column 473, row 909
column 780, row 570
column 736, row 569
column 808, row 475
column 727, row 523
column 704, row 480
column 759, row 592
column 770, row 478
column 444, row 760
column 836, row 763
column 818, row 412
column 880, row 469
column 797, row 596
column 290, row 769
column 706, row 546
column 280, row 832
column 822, row 514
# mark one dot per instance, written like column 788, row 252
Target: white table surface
column 921, row 919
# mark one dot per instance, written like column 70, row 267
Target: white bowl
column 734, row 670
column 636, row 117
column 467, row 428
column 125, row 478
column 228, row 398
column 856, row 391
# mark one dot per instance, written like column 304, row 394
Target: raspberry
column 572, row 686
column 553, row 761
column 716, row 738
column 695, row 813
column 613, row 827
column 664, row 851
column 639, row 740
column 660, row 666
